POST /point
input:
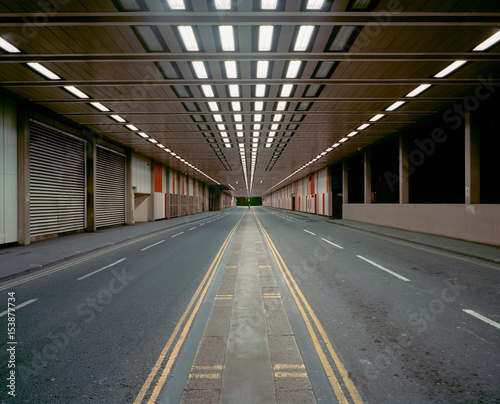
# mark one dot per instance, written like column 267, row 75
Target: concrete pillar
column 472, row 166
column 345, row 181
column 368, row 176
column 151, row 199
column 129, row 191
column 91, row 170
column 404, row 188
column 23, row 175
column 167, row 202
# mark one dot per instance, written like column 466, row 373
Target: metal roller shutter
column 57, row 181
column 110, row 188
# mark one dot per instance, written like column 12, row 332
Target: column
column 23, row 175
column 404, row 189
column 368, row 176
column 345, row 181
column 91, row 169
column 129, row 191
column 151, row 199
column 472, row 166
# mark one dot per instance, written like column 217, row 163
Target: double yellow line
column 346, row 390
column 191, row 311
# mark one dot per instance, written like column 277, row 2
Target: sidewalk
column 21, row 260
column 482, row 252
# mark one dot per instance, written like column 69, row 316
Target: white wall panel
column 159, row 205
column 141, row 174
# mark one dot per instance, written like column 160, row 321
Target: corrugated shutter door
column 57, row 181
column 110, row 188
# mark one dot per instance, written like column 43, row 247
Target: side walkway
column 21, row 260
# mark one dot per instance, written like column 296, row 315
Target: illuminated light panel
column 221, row 126
column 207, row 90
column 199, row 69
column 217, row 118
column 213, row 106
column 260, row 90
column 377, row 117
column 44, row 71
column 239, row 127
column 236, row 106
column 75, row 91
column 419, row 90
column 234, row 90
column 344, row 139
column 352, row 134
column 286, row 90
column 451, row 68
column 281, row 106
column 271, row 134
column 265, row 37
column 132, row 127
column 395, row 106
column 275, row 126
column 315, row 4
column 7, row 47
column 223, row 134
column 257, row 117
column 100, row 107
column 227, row 37
column 303, row 38
column 238, row 118
column 257, row 126
column 160, row 146
column 118, row 118
column 187, row 35
column 240, row 134
column 144, row 135
column 176, row 4
column 492, row 40
column 231, row 69
column 262, row 69
column 364, row 126
column 293, row 69
column 277, row 117
column 259, row 105
column 223, row 4
column 154, row 141
column 256, row 134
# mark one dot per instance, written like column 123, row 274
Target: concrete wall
column 8, row 171
column 479, row 223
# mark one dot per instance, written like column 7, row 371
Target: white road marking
column 192, row 228
column 3, row 313
column 483, row 318
column 310, row 232
column 203, row 224
column 329, row 242
column 102, row 269
column 384, row 269
column 178, row 234
column 152, row 245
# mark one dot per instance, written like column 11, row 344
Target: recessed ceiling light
column 176, row 4
column 231, row 69
column 395, row 106
column 207, row 90
column 269, row 4
column 221, row 126
column 239, row 126
column 260, row 90
column 188, row 37
column 199, row 69
column 217, row 118
column 420, row 89
column 223, row 4
column 257, row 117
column 213, row 106
column 160, row 146
column 293, row 69
column 238, row 118
column 257, row 126
column 277, row 117
column 492, row 40
column 142, row 134
column 118, row 118
column 342, row 38
column 132, row 127
column 76, row 91
column 223, row 134
column 234, row 90
column 315, row 4
column 259, row 105
column 236, row 105
column 99, row 106
column 227, row 37
column 154, row 141
column 44, row 71
column 377, row 117
column 352, row 134
column 303, row 38
column 7, row 47
column 275, row 126
column 451, row 68
column 286, row 90
column 265, row 37
column 262, row 69
column 364, row 126
column 240, row 134
column 271, row 134
column 281, row 106
column 256, row 134
column 344, row 139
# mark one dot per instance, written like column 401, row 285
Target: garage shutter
column 110, row 188
column 57, row 181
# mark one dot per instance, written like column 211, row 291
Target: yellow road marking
column 290, row 374
column 198, row 296
column 301, row 302
column 281, row 366
column 264, row 266
column 204, row 375
column 216, row 367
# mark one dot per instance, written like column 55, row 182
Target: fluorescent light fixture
column 217, row 118
column 99, row 106
column 207, row 90
column 315, row 4
column 234, row 90
column 167, row 150
column 265, row 37
column 142, row 134
column 420, row 89
column 262, row 69
column 377, row 117
column 223, row 4
column 132, row 127
column 269, row 140
column 395, row 106
column 241, row 145
column 260, row 90
column 231, row 69
column 7, row 47
column 492, row 40
column 238, row 118
column 118, row 118
column 257, row 117
column 236, row 105
column 256, row 134
column 293, row 69
column 364, row 126
column 75, row 91
column 352, row 134
column 275, row 126
column 257, row 126
column 344, row 139
column 239, row 126
column 154, row 141
column 221, row 126
column 44, row 71
column 223, row 134
column 199, row 69
column 342, row 37
column 329, row 150
column 259, row 105
column 269, row 144
column 214, row 107
column 451, row 68
column 228, row 145
column 269, row 4
column 160, row 146
column 286, row 90
column 176, row 4
column 188, row 37
column 226, row 37
column 277, row 117
column 225, row 140
column 271, row 134
column 303, row 38
column 281, row 106
column 240, row 134
column 255, row 140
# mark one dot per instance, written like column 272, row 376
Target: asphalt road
column 96, row 328
column 403, row 335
